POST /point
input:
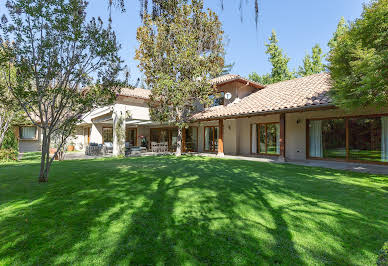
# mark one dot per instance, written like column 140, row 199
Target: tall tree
column 178, row 54
column 312, row 64
column 358, row 60
column 57, row 53
column 279, row 62
column 8, row 104
column 342, row 27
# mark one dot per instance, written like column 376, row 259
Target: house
column 288, row 120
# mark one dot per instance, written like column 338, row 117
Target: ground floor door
column 131, row 136
column 165, row 135
column 211, row 138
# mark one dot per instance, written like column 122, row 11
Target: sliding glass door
column 353, row 138
column 266, row 138
column 191, row 141
column 211, row 139
column 131, row 136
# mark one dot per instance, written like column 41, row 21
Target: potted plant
column 70, row 147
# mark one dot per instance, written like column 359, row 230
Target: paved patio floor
column 355, row 167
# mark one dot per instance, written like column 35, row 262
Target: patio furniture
column 163, row 147
column 108, row 147
column 94, row 149
column 154, row 146
column 135, row 150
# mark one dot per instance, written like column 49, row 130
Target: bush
column 10, row 141
column 8, row 155
column 382, row 260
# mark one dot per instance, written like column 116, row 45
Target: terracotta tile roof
column 136, row 93
column 299, row 93
column 231, row 77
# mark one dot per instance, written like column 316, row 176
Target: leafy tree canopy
column 57, row 53
column 312, row 64
column 359, row 59
column 178, row 54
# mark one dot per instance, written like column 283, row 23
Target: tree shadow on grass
column 189, row 210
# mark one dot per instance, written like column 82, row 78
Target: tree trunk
column 44, row 159
column 179, row 143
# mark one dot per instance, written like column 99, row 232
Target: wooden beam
column 220, row 137
column 282, row 139
column 183, row 139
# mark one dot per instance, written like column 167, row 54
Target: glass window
column 191, row 139
column 130, row 136
column 211, row 138
column 365, row 139
column 218, row 99
column 107, row 134
column 268, row 138
column 28, row 132
column 327, row 138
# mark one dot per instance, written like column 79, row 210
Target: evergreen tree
column 312, row 64
column 279, row 62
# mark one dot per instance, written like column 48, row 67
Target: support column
column 183, row 139
column 118, row 131
column 220, row 138
column 282, row 140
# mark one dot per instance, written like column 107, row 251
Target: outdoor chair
column 108, row 147
column 154, row 146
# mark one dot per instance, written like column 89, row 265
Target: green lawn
column 190, row 210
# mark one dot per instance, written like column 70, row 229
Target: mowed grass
column 189, row 210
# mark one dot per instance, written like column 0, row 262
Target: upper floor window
column 218, row 99
column 27, row 132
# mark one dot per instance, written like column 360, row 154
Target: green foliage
column 8, row 155
column 342, row 27
column 262, row 79
column 10, row 141
column 57, row 53
column 359, row 59
column 312, row 64
column 179, row 51
column 161, row 210
column 279, row 62
column 382, row 259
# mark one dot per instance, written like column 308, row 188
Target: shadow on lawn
column 190, row 210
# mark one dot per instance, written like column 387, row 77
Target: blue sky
column 299, row 24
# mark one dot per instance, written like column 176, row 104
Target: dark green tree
column 312, row 64
column 358, row 60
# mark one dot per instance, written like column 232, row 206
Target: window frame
column 266, row 139
column 347, row 130
column 34, row 138
column 103, row 140
column 204, row 140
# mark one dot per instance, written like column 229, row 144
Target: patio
column 354, row 167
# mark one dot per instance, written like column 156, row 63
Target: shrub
column 8, row 155
column 10, row 141
column 382, row 260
